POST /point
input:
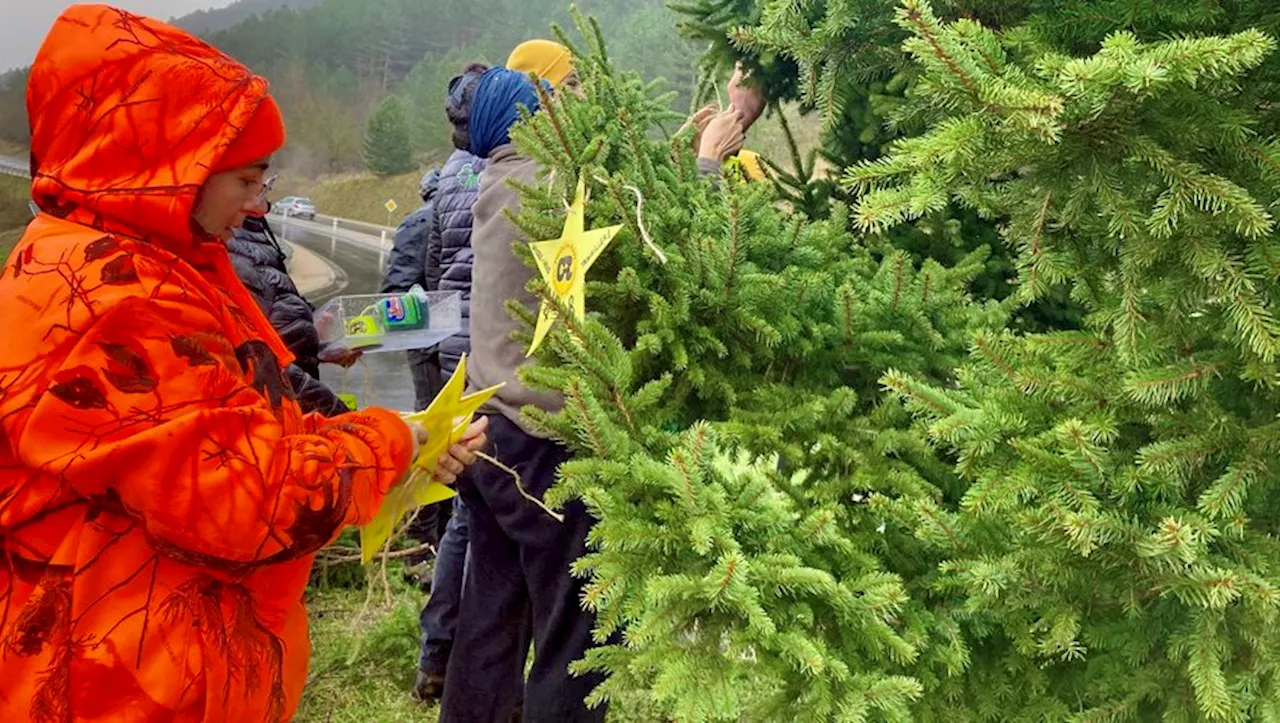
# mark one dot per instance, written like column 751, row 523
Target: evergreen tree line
column 204, row 22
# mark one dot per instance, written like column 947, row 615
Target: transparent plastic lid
column 374, row 323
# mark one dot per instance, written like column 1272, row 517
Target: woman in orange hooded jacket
column 161, row 493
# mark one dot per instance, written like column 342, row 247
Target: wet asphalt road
column 379, row 379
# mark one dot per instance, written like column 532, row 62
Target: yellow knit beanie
column 550, row 61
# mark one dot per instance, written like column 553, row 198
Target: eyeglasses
column 267, row 185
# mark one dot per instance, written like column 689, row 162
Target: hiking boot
column 429, row 686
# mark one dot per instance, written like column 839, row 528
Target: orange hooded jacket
column 161, row 494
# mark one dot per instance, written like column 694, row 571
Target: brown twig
column 351, row 554
column 520, row 486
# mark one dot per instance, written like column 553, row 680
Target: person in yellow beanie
column 548, row 60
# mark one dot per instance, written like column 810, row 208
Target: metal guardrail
column 384, row 234
column 11, row 166
column 336, row 229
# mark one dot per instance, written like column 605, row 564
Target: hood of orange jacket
column 129, row 117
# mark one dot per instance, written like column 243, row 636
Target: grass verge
column 14, row 214
column 363, row 666
column 364, row 655
column 9, row 239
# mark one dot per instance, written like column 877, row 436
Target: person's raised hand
column 451, row 465
column 747, row 97
column 698, row 121
column 723, row 137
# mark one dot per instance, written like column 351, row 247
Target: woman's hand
column 419, row 434
column 463, row 454
column 723, row 136
column 747, row 97
column 698, row 121
column 341, row 356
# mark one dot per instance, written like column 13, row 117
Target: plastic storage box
column 374, row 323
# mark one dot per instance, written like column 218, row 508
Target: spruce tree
column 1113, row 549
column 835, row 484
column 730, row 431
column 388, row 143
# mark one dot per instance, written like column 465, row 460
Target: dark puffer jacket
column 259, row 262
column 451, row 243
column 413, row 262
column 410, row 262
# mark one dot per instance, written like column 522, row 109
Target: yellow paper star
column 445, row 420
column 564, row 263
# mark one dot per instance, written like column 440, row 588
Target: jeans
column 439, row 619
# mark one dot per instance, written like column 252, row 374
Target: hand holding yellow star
column 445, row 421
column 564, row 263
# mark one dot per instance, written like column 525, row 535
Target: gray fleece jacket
column 497, row 275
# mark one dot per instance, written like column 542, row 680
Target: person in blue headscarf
column 517, row 569
column 496, row 107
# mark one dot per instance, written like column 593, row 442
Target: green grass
column 8, row 239
column 768, row 139
column 363, row 667
column 14, row 214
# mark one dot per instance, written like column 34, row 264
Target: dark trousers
column 428, row 380
column 518, row 587
column 439, row 620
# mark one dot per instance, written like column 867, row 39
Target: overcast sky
column 23, row 23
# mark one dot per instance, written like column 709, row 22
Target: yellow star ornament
column 564, row 263
column 445, row 420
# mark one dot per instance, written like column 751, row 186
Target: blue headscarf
column 494, row 108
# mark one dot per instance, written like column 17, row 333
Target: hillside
column 332, row 64
column 211, row 21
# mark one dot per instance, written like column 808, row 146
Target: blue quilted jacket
column 450, row 242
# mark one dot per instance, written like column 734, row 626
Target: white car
column 295, row 207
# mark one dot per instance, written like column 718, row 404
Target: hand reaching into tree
column 699, row 122
column 748, row 99
column 723, row 136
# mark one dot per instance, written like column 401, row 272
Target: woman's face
column 572, row 84
column 228, row 197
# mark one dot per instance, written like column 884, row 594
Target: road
column 381, row 379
